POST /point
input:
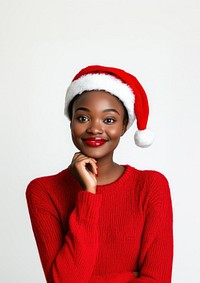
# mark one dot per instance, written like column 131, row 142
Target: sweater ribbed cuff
column 88, row 206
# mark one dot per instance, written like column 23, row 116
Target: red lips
column 94, row 141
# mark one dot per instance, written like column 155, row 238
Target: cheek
column 116, row 132
column 75, row 135
column 76, row 129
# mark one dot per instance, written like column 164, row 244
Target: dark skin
column 98, row 115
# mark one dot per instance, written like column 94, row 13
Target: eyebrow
column 83, row 109
column 111, row 110
column 105, row 110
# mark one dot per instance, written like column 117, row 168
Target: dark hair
column 70, row 108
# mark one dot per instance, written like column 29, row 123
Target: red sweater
column 104, row 237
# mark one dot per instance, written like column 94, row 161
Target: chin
column 96, row 153
column 93, row 154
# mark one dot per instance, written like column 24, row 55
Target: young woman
column 99, row 221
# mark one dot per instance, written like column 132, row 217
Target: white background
column 43, row 43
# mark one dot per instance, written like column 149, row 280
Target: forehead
column 98, row 98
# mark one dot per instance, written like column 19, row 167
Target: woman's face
column 97, row 123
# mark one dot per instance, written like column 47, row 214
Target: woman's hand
column 84, row 168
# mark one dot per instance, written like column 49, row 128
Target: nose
column 94, row 128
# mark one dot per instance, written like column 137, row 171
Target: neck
column 105, row 164
column 108, row 171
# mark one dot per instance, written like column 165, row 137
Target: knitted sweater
column 104, row 237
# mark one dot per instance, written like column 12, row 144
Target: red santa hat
column 122, row 85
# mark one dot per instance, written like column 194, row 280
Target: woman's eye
column 83, row 119
column 109, row 120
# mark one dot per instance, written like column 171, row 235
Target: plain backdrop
column 43, row 44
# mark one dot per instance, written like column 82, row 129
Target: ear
column 124, row 128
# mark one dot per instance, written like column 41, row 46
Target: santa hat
column 120, row 84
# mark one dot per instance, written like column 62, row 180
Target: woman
column 99, row 221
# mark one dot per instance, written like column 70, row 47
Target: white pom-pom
column 144, row 138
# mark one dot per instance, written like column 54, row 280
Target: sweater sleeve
column 156, row 253
column 68, row 258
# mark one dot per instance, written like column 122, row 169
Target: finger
column 76, row 155
column 79, row 157
column 80, row 160
column 92, row 167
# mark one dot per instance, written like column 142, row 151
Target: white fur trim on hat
column 103, row 82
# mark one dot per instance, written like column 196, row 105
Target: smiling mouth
column 94, row 142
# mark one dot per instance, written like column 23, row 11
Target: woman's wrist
column 91, row 190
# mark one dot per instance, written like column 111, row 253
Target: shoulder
column 50, row 185
column 45, row 181
column 156, row 191
column 153, row 178
column 52, row 193
column 151, row 184
column 152, row 192
column 150, row 177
